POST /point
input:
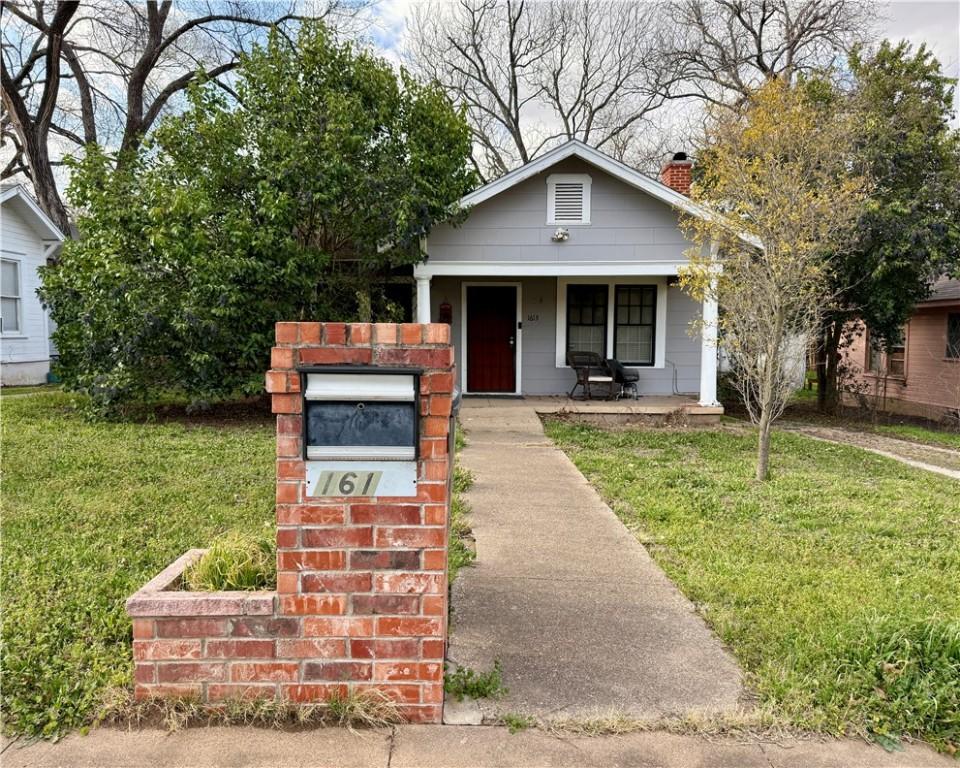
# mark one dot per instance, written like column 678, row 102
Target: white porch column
column 423, row 299
column 708, row 348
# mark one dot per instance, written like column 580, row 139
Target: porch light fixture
column 561, row 235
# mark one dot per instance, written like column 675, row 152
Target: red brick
column 142, row 628
column 441, row 405
column 337, row 537
column 336, row 333
column 385, row 333
column 440, row 357
column 410, row 537
column 327, row 560
column 409, row 627
column 433, row 449
column 436, row 333
column 221, row 692
column 287, row 538
column 383, row 560
column 290, row 469
column 264, row 672
column 240, row 649
column 264, row 627
column 286, row 403
column 288, row 446
column 432, row 491
column 191, row 628
column 288, row 493
column 336, row 356
column 434, row 605
column 288, row 582
column 359, row 333
column 320, row 648
column 404, row 671
column 337, row 582
column 432, row 693
column 282, row 359
column 337, row 671
column 435, row 426
column 423, row 714
column 433, row 383
column 408, row 605
column 309, row 514
column 312, row 694
column 289, row 425
column 145, row 673
column 279, row 382
column 287, row 333
column 435, row 514
column 385, row 514
column 199, row 672
column 434, row 559
column 385, row 649
column 434, row 649
column 408, row 693
column 410, row 333
column 310, row 333
column 186, row 691
column 338, row 627
column 313, row 605
column 408, row 583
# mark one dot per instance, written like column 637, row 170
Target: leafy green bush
column 235, row 561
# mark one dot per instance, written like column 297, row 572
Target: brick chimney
column 676, row 173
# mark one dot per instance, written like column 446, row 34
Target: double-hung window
column 634, row 329
column 587, row 318
column 953, row 336
column 9, row 296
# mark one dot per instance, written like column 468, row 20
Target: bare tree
column 530, row 73
column 104, row 71
column 724, row 48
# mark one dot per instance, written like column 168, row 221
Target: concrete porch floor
column 646, row 405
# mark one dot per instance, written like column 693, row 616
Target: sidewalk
column 581, row 619
column 425, row 746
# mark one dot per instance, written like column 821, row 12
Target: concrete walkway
column 581, row 619
column 446, row 746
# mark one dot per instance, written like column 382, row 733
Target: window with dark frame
column 634, row 329
column 587, row 319
column 953, row 336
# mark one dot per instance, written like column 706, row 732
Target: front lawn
column 835, row 583
column 91, row 511
column 920, row 434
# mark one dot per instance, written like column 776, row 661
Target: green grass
column 834, row 583
column 921, row 434
column 91, row 511
column 236, row 560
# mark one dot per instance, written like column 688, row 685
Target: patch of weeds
column 236, row 560
column 517, row 722
column 465, row 682
column 364, row 709
column 460, row 553
column 462, row 479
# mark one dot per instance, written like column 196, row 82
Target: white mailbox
column 361, row 431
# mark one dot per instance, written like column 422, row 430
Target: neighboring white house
column 574, row 251
column 28, row 238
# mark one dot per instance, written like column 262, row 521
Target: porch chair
column 590, row 370
column 626, row 380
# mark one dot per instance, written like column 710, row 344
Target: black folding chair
column 625, row 379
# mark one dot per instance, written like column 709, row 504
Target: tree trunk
column 763, row 446
column 822, row 370
column 831, row 352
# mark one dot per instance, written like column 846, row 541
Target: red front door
column 491, row 338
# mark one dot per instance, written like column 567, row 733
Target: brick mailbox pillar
column 361, row 599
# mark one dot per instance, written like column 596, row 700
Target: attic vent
column 568, row 199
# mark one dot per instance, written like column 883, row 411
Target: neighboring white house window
column 9, row 296
column 568, row 198
column 635, row 322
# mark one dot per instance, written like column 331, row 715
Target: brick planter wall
column 361, row 598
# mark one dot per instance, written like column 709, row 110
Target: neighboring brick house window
column 893, row 361
column 953, row 336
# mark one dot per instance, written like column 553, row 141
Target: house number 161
column 331, row 483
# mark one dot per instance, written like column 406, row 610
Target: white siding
column 30, row 344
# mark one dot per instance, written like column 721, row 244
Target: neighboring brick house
column 921, row 376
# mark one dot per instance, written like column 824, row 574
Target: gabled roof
column 16, row 196
column 576, row 148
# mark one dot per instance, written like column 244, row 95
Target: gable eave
column 29, row 208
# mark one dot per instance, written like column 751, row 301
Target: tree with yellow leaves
column 779, row 196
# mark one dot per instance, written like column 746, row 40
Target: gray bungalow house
column 574, row 251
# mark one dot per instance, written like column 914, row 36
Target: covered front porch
column 513, row 332
column 644, row 409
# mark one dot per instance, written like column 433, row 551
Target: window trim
column 884, row 357
column 18, row 260
column 568, row 178
column 616, row 325
column 660, row 329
